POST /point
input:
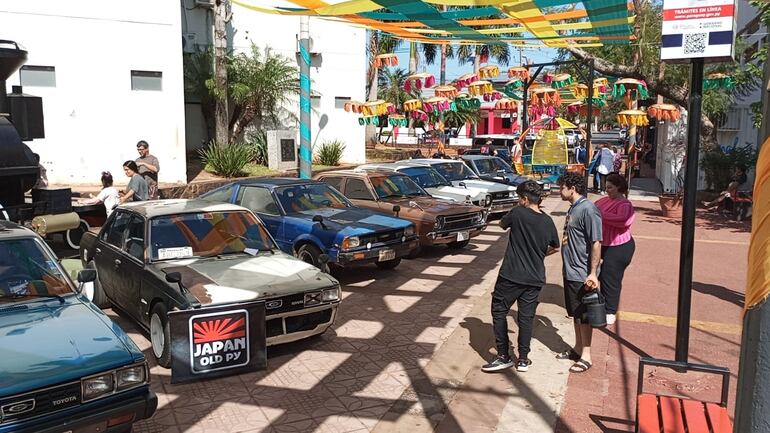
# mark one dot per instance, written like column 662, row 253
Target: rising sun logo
column 219, row 329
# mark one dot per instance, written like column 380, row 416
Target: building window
column 38, row 76
column 146, row 80
column 339, row 101
column 315, row 101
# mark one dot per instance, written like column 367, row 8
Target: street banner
column 217, row 341
column 698, row 29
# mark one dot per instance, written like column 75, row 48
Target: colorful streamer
column 664, row 112
column 385, row 60
column 718, row 81
column 491, row 71
column 633, row 118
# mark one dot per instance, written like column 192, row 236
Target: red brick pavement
column 603, row 399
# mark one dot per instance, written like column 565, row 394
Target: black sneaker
column 497, row 364
column 523, row 364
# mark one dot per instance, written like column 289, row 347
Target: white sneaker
column 611, row 319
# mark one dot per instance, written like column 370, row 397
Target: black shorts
column 573, row 299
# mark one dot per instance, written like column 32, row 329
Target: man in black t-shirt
column 531, row 237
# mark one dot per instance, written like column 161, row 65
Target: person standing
column 581, row 252
column 149, row 166
column 532, row 235
column 580, row 153
column 517, row 153
column 605, row 161
column 137, row 189
column 617, row 243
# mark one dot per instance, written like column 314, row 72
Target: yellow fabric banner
column 758, row 281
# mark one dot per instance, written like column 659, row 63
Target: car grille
column 457, row 222
column 304, row 322
column 499, row 196
column 382, row 237
column 45, row 401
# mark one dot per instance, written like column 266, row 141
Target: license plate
column 386, row 255
column 463, row 236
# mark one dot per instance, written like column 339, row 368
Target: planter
column 671, row 205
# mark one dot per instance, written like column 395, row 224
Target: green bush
column 330, row 153
column 719, row 166
column 258, row 141
column 227, row 160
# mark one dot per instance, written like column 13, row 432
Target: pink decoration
column 430, row 81
column 408, row 86
column 418, row 84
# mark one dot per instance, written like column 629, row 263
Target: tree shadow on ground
column 601, row 421
column 704, row 219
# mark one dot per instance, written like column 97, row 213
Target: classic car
column 308, row 218
column 220, row 253
column 434, row 183
column 65, row 366
column 502, row 198
column 437, row 221
column 494, row 169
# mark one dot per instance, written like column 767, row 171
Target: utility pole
column 305, row 151
column 221, row 113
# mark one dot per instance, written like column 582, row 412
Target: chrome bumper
column 299, row 335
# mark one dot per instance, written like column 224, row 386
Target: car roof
column 390, row 165
column 10, row 229
column 272, row 182
column 474, row 157
column 363, row 172
column 500, row 136
column 154, row 208
column 431, row 161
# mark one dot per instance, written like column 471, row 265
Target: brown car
column 437, row 221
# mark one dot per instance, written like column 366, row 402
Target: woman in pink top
column 617, row 244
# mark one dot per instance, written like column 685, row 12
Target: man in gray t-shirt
column 149, row 166
column 581, row 254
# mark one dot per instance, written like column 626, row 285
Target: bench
column 656, row 413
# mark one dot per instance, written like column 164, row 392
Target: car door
column 357, row 191
column 262, row 202
column 129, row 271
column 108, row 253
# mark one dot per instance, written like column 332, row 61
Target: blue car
column 64, row 365
column 309, row 218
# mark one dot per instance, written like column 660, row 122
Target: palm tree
column 481, row 53
column 457, row 119
column 379, row 43
column 391, row 86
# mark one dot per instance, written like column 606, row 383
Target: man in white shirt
column 604, row 165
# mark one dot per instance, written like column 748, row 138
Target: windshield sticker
column 205, row 216
column 51, row 265
column 18, row 287
column 175, row 253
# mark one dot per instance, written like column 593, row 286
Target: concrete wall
column 341, row 74
column 92, row 117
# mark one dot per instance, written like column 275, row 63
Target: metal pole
column 305, row 151
column 589, row 118
column 688, row 217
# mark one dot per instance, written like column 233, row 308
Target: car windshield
column 426, row 177
column 396, row 186
column 492, row 166
column 28, row 270
column 206, row 234
column 453, row 171
column 309, row 197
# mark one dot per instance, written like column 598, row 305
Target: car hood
column 45, row 342
column 238, row 279
column 432, row 206
column 354, row 221
column 485, row 185
column 456, row 192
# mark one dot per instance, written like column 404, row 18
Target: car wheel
column 309, row 253
column 160, row 335
column 390, row 264
column 97, row 295
column 73, row 236
column 457, row 245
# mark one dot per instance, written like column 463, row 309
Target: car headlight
column 409, row 231
column 478, row 217
column 439, row 223
column 547, row 187
column 512, row 194
column 468, row 199
column 98, row 386
column 488, row 200
column 330, row 295
column 130, row 377
column 351, row 242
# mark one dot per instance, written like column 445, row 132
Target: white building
column 340, row 77
column 110, row 74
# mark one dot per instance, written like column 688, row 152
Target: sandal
column 581, row 366
column 569, row 354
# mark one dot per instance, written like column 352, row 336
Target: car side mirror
column 320, row 220
column 462, row 184
column 396, row 210
column 86, row 275
column 174, row 277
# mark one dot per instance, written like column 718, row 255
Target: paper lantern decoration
column 633, row 118
column 519, row 72
column 373, row 120
column 544, row 101
column 580, row 91
column 398, row 120
column 581, row 108
column 718, row 81
column 507, row 104
column 390, row 108
column 630, row 90
column 602, row 85
column 376, row 108
column 490, row 71
column 436, row 104
column 548, row 77
column 446, row 91
column 412, row 104
column 354, row 106
column 418, row 81
column 466, row 102
column 466, row 80
column 477, row 88
column 494, row 96
column 512, row 85
column 419, row 115
column 385, row 60
column 561, row 80
column 664, row 112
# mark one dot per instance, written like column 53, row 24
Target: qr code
column 695, row 43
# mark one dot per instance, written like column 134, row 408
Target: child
column 108, row 195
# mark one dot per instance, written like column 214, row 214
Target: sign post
column 693, row 31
